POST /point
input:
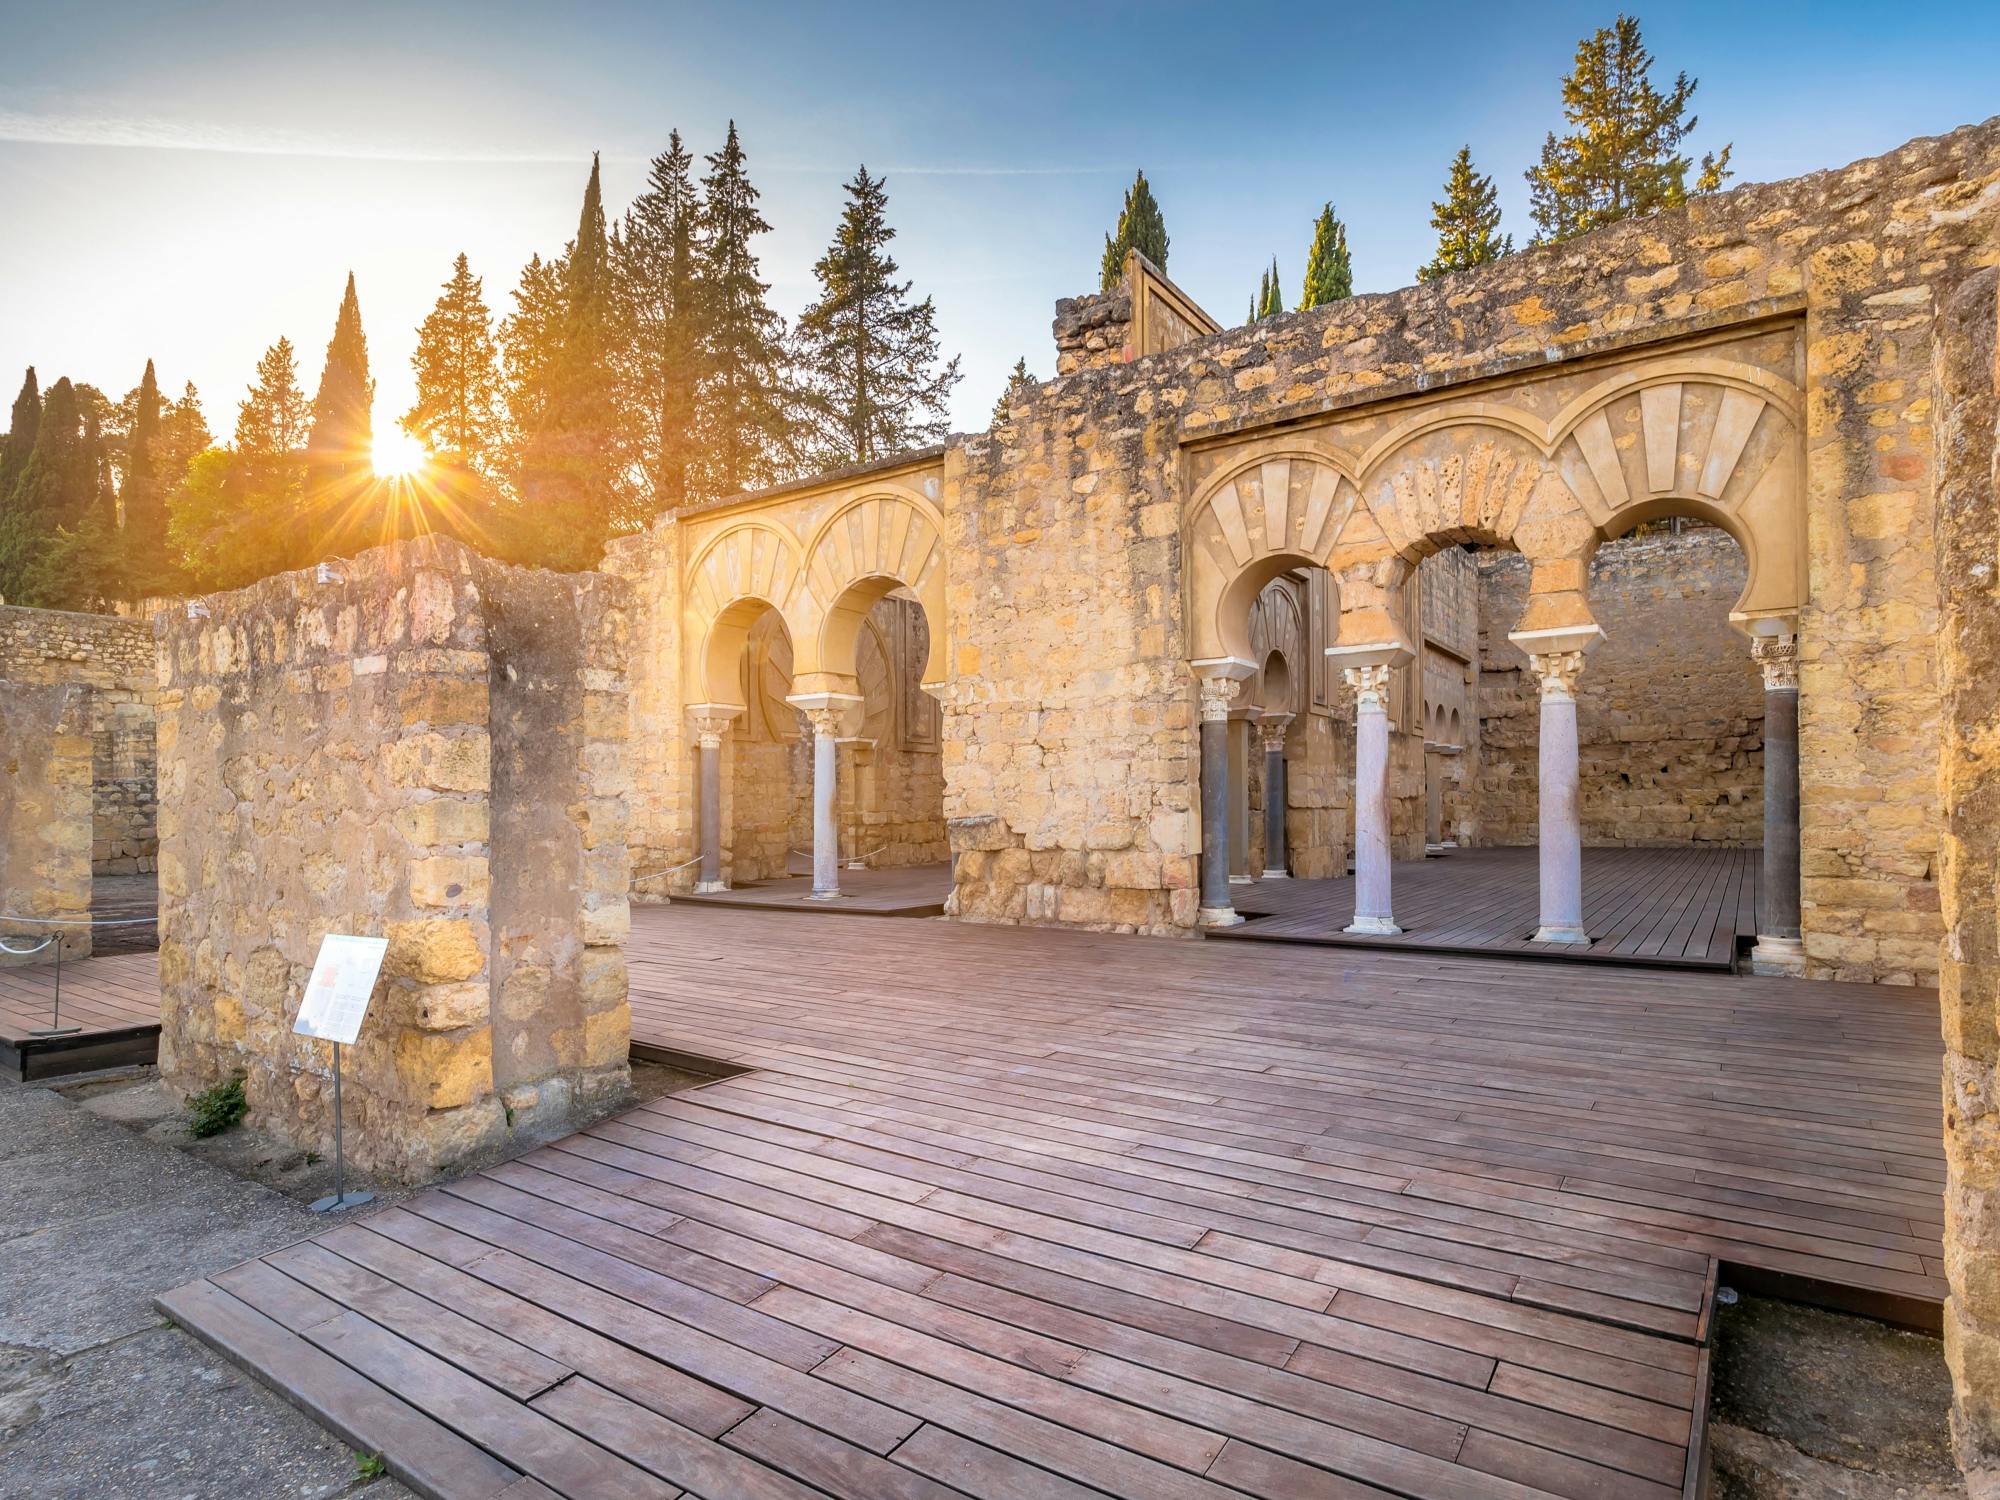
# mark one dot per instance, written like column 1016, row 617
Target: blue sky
column 191, row 182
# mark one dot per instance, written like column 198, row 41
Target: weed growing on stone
column 369, row 1466
column 217, row 1108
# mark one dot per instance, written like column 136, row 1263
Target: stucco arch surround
column 1713, row 438
column 866, row 546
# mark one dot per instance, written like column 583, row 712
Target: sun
column 396, row 455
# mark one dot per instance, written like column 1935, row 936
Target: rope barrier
column 667, row 870
column 79, row 921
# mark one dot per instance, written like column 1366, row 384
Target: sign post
column 343, row 978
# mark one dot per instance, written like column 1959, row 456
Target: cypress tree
column 745, row 417
column 869, row 355
column 660, row 325
column 1274, row 293
column 1329, row 271
column 144, row 495
column 1621, row 155
column 1141, row 226
column 339, row 472
column 1019, row 383
column 20, row 440
column 59, row 483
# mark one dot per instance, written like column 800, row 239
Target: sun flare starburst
column 396, row 455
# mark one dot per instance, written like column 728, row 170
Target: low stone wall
column 427, row 748
column 45, row 814
column 1670, row 707
column 113, row 657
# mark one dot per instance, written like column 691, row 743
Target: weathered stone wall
column 1967, row 385
column 113, row 657
column 428, row 748
column 1670, row 707
column 45, row 758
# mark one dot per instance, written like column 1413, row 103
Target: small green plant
column 508, row 1110
column 313, row 1158
column 369, row 1466
column 217, row 1108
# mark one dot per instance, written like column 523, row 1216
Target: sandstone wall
column 429, row 748
column 1968, row 659
column 1670, row 707
column 45, row 764
column 112, row 657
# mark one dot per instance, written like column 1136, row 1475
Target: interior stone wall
column 407, row 750
column 1670, row 706
column 45, row 815
column 113, row 657
column 1967, row 381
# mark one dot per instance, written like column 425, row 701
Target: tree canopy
column 1141, row 226
column 1467, row 222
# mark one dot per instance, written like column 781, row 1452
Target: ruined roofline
column 914, row 458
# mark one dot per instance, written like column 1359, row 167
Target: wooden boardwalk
column 910, row 891
column 114, row 1000
column 1014, row 1213
column 1660, row 908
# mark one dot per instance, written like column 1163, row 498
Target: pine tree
column 661, row 326
column 529, row 338
column 144, row 496
column 1467, row 222
column 183, row 434
column 1329, row 271
column 1019, row 383
column 1621, row 156
column 1274, row 293
column 1141, row 226
column 457, row 412
column 867, row 354
column 20, row 440
column 340, row 475
column 746, row 419
column 232, row 517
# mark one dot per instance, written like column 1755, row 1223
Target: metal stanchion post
column 341, row 1198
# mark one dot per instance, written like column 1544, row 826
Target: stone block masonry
column 113, row 658
column 427, row 746
column 45, row 815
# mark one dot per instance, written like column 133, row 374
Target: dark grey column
column 709, row 727
column 1217, row 910
column 1272, row 731
column 1780, row 947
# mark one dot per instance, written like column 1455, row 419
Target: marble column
column 1271, row 728
column 1218, row 696
column 823, row 712
column 1780, row 946
column 1561, row 828
column 711, row 722
column 1373, row 909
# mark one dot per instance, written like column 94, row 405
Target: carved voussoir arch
column 867, row 547
column 1252, row 522
column 744, row 570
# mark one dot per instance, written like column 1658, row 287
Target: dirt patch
column 1815, row 1405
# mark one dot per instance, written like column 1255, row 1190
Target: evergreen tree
column 1141, row 226
column 1274, row 293
column 1019, row 383
column 457, row 412
column 144, row 495
column 99, row 420
column 745, row 409
column 1467, row 222
column 339, row 472
column 183, row 434
column 660, row 326
column 56, row 546
column 1329, row 271
column 868, row 355
column 20, row 439
column 528, row 340
column 1621, row 155
column 232, row 517
column 566, row 403
column 59, row 483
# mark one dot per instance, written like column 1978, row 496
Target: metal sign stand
column 55, row 1026
column 340, row 1198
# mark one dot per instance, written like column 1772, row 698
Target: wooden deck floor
column 1664, row 908
column 911, row 891
column 1013, row 1213
column 114, row 1000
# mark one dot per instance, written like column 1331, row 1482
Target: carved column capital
column 1218, row 696
column 1271, row 730
column 1558, row 672
column 708, row 732
column 824, row 722
column 1778, row 655
column 1371, row 687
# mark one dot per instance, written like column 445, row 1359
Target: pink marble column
column 1373, row 907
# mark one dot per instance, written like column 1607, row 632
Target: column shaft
column 1780, row 944
column 1218, row 693
column 826, row 827
column 711, row 815
column 1271, row 729
column 1373, row 906
column 1561, row 831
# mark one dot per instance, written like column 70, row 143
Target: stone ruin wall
column 113, row 659
column 1670, row 706
column 431, row 749
column 45, row 797
column 1070, row 731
